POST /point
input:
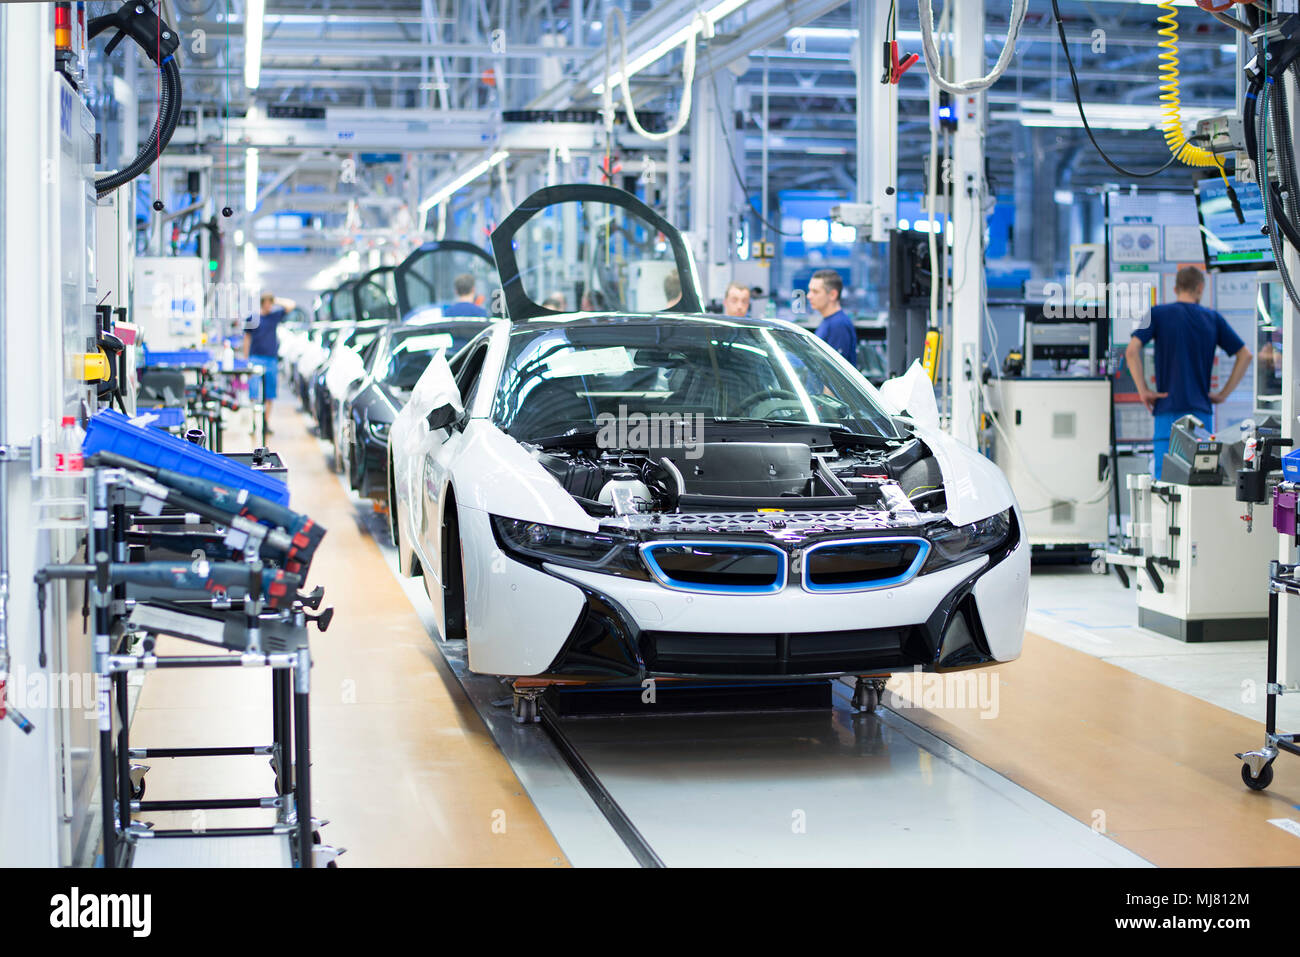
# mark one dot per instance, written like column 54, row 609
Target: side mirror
column 443, row 416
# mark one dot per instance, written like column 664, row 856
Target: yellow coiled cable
column 1172, row 122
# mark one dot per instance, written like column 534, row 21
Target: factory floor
column 1099, row 728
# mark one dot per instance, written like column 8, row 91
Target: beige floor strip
column 1151, row 766
column 404, row 768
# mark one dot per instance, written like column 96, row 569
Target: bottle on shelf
column 67, row 451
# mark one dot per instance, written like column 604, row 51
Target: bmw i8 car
column 395, row 362
column 648, row 491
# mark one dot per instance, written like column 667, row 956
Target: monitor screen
column 1228, row 243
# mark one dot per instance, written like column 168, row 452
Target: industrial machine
column 169, row 302
column 1053, row 434
column 1197, row 558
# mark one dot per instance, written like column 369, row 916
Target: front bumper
column 565, row 624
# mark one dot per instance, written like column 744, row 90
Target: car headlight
column 379, row 430
column 954, row 544
column 606, row 552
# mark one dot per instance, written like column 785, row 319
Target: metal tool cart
column 1283, row 579
column 1257, row 766
column 210, row 394
column 246, row 602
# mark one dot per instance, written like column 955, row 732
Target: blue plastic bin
column 186, row 357
column 1291, row 466
column 113, row 432
column 167, row 417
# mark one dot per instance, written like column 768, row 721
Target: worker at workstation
column 836, row 329
column 735, row 302
column 1186, row 335
column 262, row 346
column 466, row 303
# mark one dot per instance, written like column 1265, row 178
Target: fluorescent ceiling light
column 254, row 14
column 1117, row 111
column 250, row 178
column 824, row 33
column 673, row 40
column 1048, row 120
column 461, row 181
column 1112, row 116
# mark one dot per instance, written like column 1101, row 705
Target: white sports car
column 611, row 496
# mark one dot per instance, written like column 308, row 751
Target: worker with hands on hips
column 1186, row 335
column 261, row 346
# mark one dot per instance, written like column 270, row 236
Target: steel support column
column 714, row 192
column 967, row 225
column 1289, row 612
column 877, row 111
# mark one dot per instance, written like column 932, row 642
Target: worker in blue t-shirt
column 836, row 329
column 1186, row 335
column 466, row 304
column 262, row 346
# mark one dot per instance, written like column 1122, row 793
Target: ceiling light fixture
column 254, row 15
column 460, row 182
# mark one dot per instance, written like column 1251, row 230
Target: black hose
column 159, row 42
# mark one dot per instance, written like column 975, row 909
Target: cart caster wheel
column 315, row 837
column 866, row 701
column 1257, row 783
column 866, row 696
column 137, row 791
column 525, row 709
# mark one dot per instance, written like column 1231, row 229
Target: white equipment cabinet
column 1060, row 435
column 1213, row 572
column 169, row 302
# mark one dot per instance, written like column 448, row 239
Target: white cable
column 624, row 84
column 959, row 87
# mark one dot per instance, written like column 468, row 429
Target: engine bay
column 898, row 480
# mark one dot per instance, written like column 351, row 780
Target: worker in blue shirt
column 1186, row 335
column 836, row 329
column 466, row 303
column 262, row 347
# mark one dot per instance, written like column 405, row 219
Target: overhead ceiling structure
column 373, row 105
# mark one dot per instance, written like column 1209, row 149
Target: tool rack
column 249, row 625
column 1283, row 579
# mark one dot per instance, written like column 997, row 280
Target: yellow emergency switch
column 930, row 357
column 94, row 367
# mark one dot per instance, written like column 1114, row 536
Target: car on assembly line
column 643, row 490
column 395, row 361
column 374, row 306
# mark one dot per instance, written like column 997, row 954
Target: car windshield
column 560, row 378
column 361, row 337
column 413, row 348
